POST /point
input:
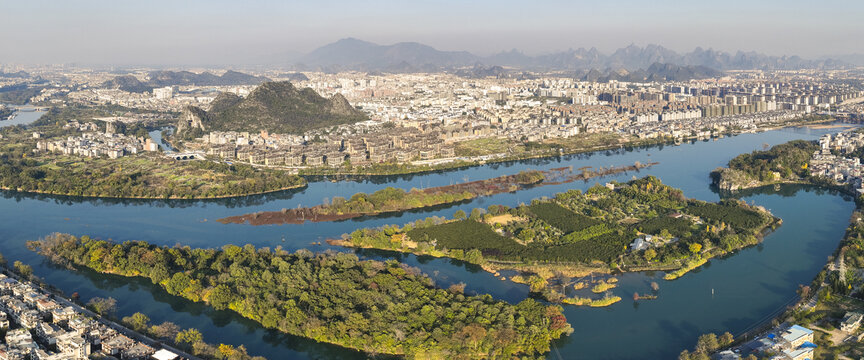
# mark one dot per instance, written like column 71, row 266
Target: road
column 124, row 330
column 120, row 328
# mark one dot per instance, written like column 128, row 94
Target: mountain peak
column 278, row 107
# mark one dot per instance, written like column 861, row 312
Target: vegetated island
column 829, row 163
column 635, row 226
column 781, row 164
column 6, row 112
column 391, row 199
column 373, row 306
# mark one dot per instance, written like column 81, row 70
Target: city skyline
column 266, row 32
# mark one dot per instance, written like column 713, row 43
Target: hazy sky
column 234, row 32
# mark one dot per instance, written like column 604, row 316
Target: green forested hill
column 277, row 107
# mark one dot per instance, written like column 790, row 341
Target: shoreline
column 839, row 188
column 40, row 192
column 492, row 186
column 553, row 153
column 494, row 267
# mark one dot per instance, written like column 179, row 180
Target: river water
column 22, row 117
column 728, row 294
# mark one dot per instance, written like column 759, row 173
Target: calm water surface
column 747, row 287
column 22, row 117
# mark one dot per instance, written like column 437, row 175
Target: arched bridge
column 186, row 156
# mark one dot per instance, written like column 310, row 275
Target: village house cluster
column 832, row 160
column 93, row 143
column 711, row 127
column 41, row 328
column 383, row 145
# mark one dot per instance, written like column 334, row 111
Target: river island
column 635, row 226
column 380, row 307
column 390, row 199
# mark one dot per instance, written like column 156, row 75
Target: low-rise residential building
column 851, row 321
column 39, row 328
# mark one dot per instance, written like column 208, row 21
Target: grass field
column 562, row 218
column 464, row 235
column 488, row 146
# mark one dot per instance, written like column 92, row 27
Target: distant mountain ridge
column 171, row 78
column 354, row 54
column 277, row 107
column 656, row 72
column 19, row 74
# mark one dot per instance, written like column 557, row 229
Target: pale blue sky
column 216, row 31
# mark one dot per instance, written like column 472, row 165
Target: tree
column 695, row 248
column 804, row 291
column 103, row 306
column 457, row 288
column 650, row 254
column 166, row 330
column 220, row 297
column 707, row 343
column 23, row 269
column 699, row 356
column 474, row 256
column 189, row 336
column 726, row 339
column 536, row 283
column 225, row 351
column 138, row 321
column 460, row 215
column 684, row 355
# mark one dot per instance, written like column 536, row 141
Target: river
column 728, row 294
column 23, row 116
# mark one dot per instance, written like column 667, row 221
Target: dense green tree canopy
column 378, row 307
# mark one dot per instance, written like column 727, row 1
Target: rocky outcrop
column 191, row 122
column 727, row 179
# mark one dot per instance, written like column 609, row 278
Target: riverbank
column 822, row 306
column 558, row 147
column 172, row 197
column 838, row 289
column 142, row 176
column 392, row 200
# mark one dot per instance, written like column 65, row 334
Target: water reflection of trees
column 784, row 190
column 242, row 201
